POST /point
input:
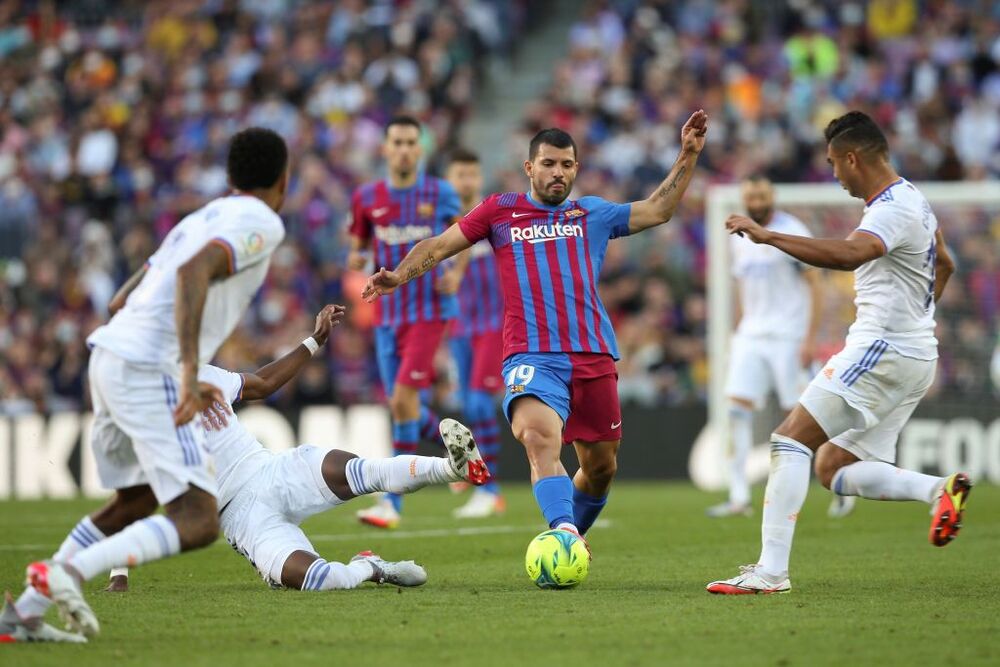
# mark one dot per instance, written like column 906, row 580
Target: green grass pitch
column 867, row 590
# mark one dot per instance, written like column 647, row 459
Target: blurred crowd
column 771, row 75
column 114, row 123
column 114, row 119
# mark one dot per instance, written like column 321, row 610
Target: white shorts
column 262, row 520
column 134, row 438
column 864, row 395
column 758, row 366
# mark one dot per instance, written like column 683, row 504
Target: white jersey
column 774, row 296
column 233, row 445
column 143, row 331
column 895, row 293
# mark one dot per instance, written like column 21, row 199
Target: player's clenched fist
column 383, row 282
column 744, row 226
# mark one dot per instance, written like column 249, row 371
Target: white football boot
column 465, row 459
column 380, row 515
column 751, row 580
column 728, row 509
column 404, row 573
column 841, row 506
column 481, row 504
column 56, row 583
column 15, row 629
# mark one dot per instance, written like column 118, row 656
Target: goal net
column 957, row 425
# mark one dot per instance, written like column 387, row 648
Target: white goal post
column 706, row 465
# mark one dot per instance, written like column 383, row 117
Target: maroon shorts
column 405, row 353
column 487, row 360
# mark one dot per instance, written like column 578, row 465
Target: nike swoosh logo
column 520, row 215
column 614, row 426
column 379, row 212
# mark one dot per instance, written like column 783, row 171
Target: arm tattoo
column 426, row 265
column 662, row 192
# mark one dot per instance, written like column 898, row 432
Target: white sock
column 83, row 535
column 882, row 481
column 786, row 492
column 31, row 603
column 324, row 576
column 142, row 542
column 399, row 474
column 118, row 572
column 741, row 437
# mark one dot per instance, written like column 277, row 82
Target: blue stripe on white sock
column 91, row 533
column 838, row 482
column 323, row 573
column 311, row 574
column 80, row 539
column 160, row 535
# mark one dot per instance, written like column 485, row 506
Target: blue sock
column 586, row 509
column 554, row 496
column 480, row 410
column 429, row 425
column 405, row 436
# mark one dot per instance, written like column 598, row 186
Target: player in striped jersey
column 475, row 340
column 559, row 346
column 389, row 217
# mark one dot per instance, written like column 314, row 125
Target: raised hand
column 379, row 284
column 328, row 318
column 693, row 132
column 744, row 226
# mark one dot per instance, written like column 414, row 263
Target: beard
column 760, row 215
column 550, row 198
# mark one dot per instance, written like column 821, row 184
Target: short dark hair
column 257, row 159
column 856, row 131
column 463, row 156
column 552, row 136
column 403, row 120
column 757, row 177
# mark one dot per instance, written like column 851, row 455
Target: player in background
column 265, row 496
column 779, row 306
column 559, row 346
column 851, row 413
column 476, row 340
column 144, row 386
column 389, row 217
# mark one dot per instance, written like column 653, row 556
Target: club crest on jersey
column 425, row 209
column 543, row 233
column 253, row 243
column 575, row 213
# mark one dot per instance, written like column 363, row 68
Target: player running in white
column 773, row 345
column 145, row 391
column 851, row 414
column 264, row 496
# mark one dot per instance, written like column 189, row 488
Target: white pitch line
column 439, row 532
column 24, row 547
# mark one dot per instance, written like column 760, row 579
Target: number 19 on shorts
column 520, row 375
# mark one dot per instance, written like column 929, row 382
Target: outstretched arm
column 839, row 254
column 121, row 296
column 272, row 377
column 944, row 265
column 422, row 258
column 659, row 207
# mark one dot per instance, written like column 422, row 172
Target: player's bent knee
column 335, row 473
column 195, row 515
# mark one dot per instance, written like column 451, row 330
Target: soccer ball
column 557, row 559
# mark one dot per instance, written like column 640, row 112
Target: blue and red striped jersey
column 395, row 220
column 480, row 302
column 549, row 259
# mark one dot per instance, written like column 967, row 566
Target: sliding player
column 265, row 496
column 853, row 410
column 559, row 346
